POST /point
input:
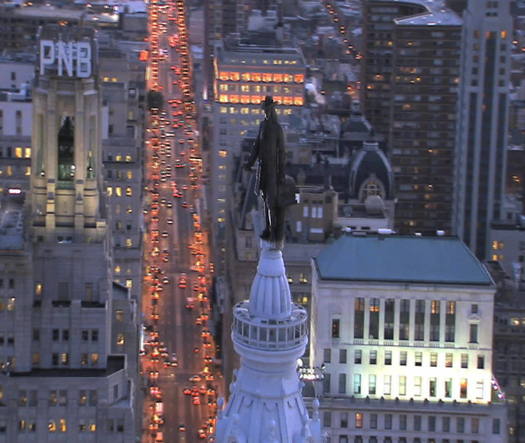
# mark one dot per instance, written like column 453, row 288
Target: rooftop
column 438, row 14
column 392, row 258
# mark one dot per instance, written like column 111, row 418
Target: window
column 463, row 388
column 373, row 421
column 52, row 426
column 373, row 357
column 94, row 358
column 496, row 426
column 473, row 334
column 372, row 384
column 419, row 359
column 474, row 309
column 448, row 388
column 344, row 420
column 326, row 384
column 403, row 358
column 93, row 397
column 358, row 354
column 342, row 356
column 432, row 382
column 55, row 334
column 357, row 383
column 403, row 422
column 464, row 361
column 419, row 333
column 388, row 421
column 120, row 339
column 481, row 362
column 417, row 422
column 404, row 319
column 342, row 383
column 373, row 330
column 94, row 335
column 450, row 322
column 402, row 385
column 389, row 319
column 359, row 317
column 36, row 334
column 335, row 328
column 387, row 384
column 119, row 315
column 449, row 360
column 418, row 386
column 327, row 419
column 85, row 335
column 433, row 359
column 474, row 425
column 388, row 358
column 445, row 424
column 65, row 335
column 327, row 355
column 479, row 389
column 460, row 424
column 358, row 420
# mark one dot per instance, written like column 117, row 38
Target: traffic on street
column 178, row 350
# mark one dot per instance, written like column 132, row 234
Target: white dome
column 270, row 293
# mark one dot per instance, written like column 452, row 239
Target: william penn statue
column 276, row 189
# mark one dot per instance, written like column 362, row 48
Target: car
column 164, row 234
column 196, row 350
column 169, row 221
column 182, row 428
column 186, row 391
column 195, row 378
column 201, row 433
column 196, row 401
column 183, row 281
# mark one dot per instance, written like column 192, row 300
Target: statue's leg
column 267, row 223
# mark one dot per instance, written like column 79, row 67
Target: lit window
column 129, row 175
column 358, row 420
column 27, row 152
column 118, row 191
column 94, row 358
column 129, row 191
column 18, row 152
column 119, row 315
column 128, row 158
column 92, row 427
column 129, row 283
column 223, row 98
column 118, row 158
column 120, row 339
column 223, row 110
column 109, row 191
column 223, row 153
column 117, row 269
column 27, row 171
column 11, row 303
column 9, row 170
column 63, row 425
column 52, row 426
column 129, row 243
column 129, row 210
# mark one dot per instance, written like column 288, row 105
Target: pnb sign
column 71, row 59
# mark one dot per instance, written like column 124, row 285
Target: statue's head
column 268, row 105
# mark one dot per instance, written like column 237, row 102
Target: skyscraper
column 70, row 331
column 410, row 75
column 482, row 121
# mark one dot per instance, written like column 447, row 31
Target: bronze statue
column 277, row 189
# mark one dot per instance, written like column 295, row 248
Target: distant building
column 410, row 72
column 401, row 331
column 483, row 122
column 70, row 337
column 244, row 75
column 507, row 246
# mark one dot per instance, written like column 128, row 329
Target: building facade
column 397, row 332
column 482, row 122
column 69, row 368
column 410, row 79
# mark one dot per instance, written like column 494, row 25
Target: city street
column 178, row 361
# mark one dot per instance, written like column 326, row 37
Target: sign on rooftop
column 66, row 58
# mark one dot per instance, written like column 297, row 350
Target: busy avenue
column 178, row 351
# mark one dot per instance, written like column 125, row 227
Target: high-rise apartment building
column 482, row 121
column 410, row 78
column 401, row 327
column 244, row 75
column 68, row 335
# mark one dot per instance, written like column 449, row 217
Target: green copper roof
column 389, row 258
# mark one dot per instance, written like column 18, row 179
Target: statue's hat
column 268, row 102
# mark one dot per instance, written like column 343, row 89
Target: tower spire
column 269, row 334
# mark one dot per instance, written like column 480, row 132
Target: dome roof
column 370, row 164
column 270, row 296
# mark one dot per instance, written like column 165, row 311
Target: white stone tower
column 269, row 333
